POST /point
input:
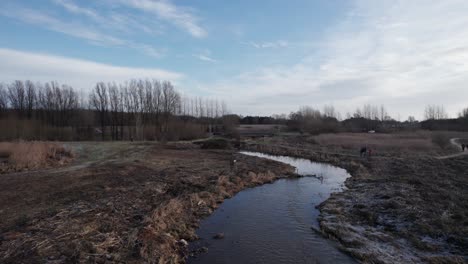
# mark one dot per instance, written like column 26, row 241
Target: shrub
column 33, row 155
column 440, row 139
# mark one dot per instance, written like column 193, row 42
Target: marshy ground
column 140, row 202
column 403, row 205
column 120, row 202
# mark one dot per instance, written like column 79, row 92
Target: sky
column 262, row 57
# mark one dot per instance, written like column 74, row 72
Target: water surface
column 272, row 223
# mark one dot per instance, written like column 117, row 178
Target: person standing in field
column 363, row 151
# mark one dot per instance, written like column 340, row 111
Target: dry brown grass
column 416, row 141
column 32, row 155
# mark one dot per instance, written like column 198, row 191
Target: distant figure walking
column 233, row 162
column 363, row 151
column 464, row 147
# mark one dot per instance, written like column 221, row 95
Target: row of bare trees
column 369, row 117
column 371, row 112
column 136, row 104
column 435, row 112
column 138, row 109
column 51, row 102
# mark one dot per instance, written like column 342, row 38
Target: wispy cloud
column 76, row 30
column 404, row 54
column 181, row 17
column 204, row 57
column 81, row 74
column 111, row 20
column 268, row 45
column 72, row 7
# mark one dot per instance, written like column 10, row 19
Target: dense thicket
column 138, row 109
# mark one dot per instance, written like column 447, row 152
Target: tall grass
column 413, row 141
column 32, row 155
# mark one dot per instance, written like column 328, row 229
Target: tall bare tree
column 3, row 99
column 435, row 112
column 463, row 113
column 17, row 97
column 99, row 100
column 30, row 98
column 329, row 111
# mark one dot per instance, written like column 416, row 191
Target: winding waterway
column 273, row 223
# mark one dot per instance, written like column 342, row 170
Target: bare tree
column 435, row 112
column 329, row 111
column 411, row 119
column 463, row 113
column 358, row 113
column 67, row 105
column 100, row 102
column 30, row 98
column 3, row 99
column 224, row 109
column 16, row 95
column 114, row 103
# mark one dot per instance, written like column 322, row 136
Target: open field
column 403, row 205
column 120, row 202
column 398, row 144
column 140, row 202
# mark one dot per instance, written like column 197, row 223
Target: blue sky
column 262, row 57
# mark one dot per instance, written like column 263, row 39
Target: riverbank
column 121, row 202
column 399, row 206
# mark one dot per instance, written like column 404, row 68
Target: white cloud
column 72, row 7
column 167, row 11
column 111, row 20
column 204, row 57
column 76, row 30
column 269, row 45
column 51, row 23
column 81, row 74
column 404, row 54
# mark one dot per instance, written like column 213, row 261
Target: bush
column 33, row 155
column 441, row 139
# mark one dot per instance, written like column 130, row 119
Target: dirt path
column 454, row 142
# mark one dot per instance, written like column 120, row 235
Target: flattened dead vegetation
column 121, row 202
column 399, row 206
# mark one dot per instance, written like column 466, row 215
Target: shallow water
column 272, row 223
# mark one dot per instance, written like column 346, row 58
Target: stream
column 273, row 223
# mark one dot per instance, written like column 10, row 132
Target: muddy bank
column 405, row 209
column 140, row 203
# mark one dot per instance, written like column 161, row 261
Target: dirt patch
column 130, row 202
column 401, row 208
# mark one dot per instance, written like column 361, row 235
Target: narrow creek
column 272, row 223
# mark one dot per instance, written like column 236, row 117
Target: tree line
column 137, row 109
column 366, row 118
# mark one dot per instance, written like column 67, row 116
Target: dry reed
column 19, row 156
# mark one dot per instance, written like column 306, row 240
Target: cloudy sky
column 262, row 57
